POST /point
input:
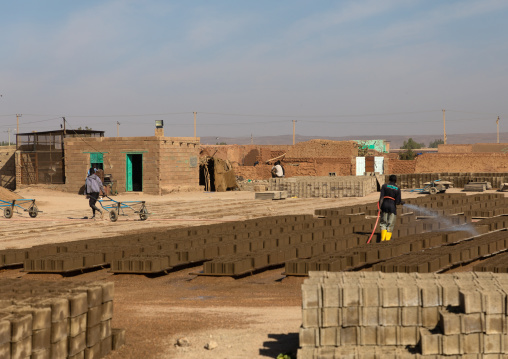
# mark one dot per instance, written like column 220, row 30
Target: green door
column 129, row 173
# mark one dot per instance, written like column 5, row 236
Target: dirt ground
column 250, row 317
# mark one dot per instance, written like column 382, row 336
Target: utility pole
column 294, row 122
column 444, row 128
column 117, row 129
column 65, row 132
column 251, row 139
column 497, row 122
column 17, row 122
column 195, row 113
column 9, row 130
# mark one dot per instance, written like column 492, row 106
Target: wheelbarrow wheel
column 8, row 212
column 113, row 215
column 32, row 212
column 433, row 190
column 144, row 214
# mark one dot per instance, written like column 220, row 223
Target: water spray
column 449, row 226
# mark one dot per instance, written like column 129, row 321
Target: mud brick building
column 152, row 165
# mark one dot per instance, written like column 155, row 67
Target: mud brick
column 37, row 354
column 59, row 330
column 309, row 337
column 472, row 323
column 329, row 336
column 106, row 329
column 77, row 344
column 94, row 316
column 93, row 351
column 450, row 295
column 41, row 339
column 80, row 355
column 349, row 336
column 5, row 350
column 93, row 335
column 78, row 303
column 493, row 344
column 411, row 316
column 389, row 316
column 5, row 331
column 370, row 316
column 452, row 344
column 470, row 301
column 431, row 295
column 331, row 296
column 331, row 317
column 21, row 327
column 311, row 317
column 77, row 325
column 409, row 296
column 59, row 349
column 472, row 343
column 495, row 323
column 107, row 311
column 370, row 296
column 108, row 291
column 106, row 346
column 449, row 323
column 389, row 297
column 430, row 317
column 368, row 335
column 351, row 296
column 118, row 336
column 494, row 302
column 430, row 343
column 408, row 335
column 387, row 335
column 94, row 296
column 311, row 296
column 59, row 309
column 351, row 316
column 22, row 348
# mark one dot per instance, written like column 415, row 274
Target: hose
column 377, row 220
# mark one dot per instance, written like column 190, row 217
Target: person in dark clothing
column 389, row 198
column 93, row 187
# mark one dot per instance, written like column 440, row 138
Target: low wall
column 8, row 167
column 471, row 162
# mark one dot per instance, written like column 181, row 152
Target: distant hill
column 395, row 141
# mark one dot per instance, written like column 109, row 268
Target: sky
column 337, row 68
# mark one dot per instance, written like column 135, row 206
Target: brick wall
column 8, row 167
column 169, row 163
column 401, row 166
column 470, row 162
column 454, row 148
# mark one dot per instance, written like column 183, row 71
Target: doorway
column 134, row 173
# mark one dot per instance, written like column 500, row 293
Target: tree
column 222, row 143
column 407, row 155
column 411, row 145
column 86, row 128
column 436, row 142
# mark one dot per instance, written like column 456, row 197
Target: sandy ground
column 255, row 316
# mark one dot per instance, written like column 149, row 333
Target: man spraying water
column 388, row 200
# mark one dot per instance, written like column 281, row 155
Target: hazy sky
column 338, row 68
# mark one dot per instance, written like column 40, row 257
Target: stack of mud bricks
column 459, row 180
column 377, row 315
column 42, row 320
column 326, row 187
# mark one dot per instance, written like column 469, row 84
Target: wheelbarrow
column 433, row 187
column 18, row 205
column 116, row 208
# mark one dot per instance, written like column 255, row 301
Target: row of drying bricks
column 41, row 322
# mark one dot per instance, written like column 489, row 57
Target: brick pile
column 377, row 315
column 325, row 187
column 57, row 320
column 459, row 180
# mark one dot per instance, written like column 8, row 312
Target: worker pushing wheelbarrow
column 116, row 208
column 18, row 206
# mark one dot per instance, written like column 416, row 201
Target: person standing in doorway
column 93, row 187
column 388, row 200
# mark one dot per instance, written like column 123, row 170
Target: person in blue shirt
column 389, row 198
